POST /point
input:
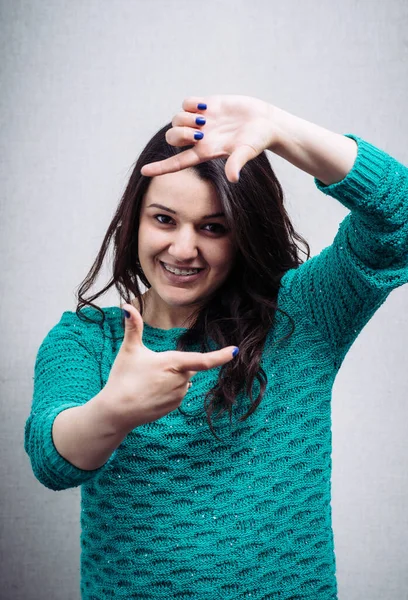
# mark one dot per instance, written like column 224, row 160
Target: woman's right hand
column 143, row 385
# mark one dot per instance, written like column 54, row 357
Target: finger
column 237, row 160
column 185, row 159
column 133, row 326
column 183, row 136
column 199, row 361
column 191, row 104
column 186, row 119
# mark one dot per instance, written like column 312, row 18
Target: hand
column 144, row 385
column 239, row 127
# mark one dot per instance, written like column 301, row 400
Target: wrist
column 104, row 416
column 325, row 155
column 280, row 126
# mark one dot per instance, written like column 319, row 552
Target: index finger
column 185, row 159
column 202, row 361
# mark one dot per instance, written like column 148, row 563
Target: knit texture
column 176, row 514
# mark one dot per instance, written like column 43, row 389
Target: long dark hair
column 243, row 310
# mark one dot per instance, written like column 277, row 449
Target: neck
column 161, row 316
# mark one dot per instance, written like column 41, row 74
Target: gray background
column 84, row 85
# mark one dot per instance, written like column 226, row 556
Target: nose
column 184, row 245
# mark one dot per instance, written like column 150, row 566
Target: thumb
column 133, row 326
column 237, row 160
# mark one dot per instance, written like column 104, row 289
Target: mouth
column 180, row 275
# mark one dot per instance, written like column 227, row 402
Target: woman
column 175, row 503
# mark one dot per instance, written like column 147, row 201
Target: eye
column 162, row 216
column 216, row 228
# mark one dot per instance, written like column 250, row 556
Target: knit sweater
column 175, row 513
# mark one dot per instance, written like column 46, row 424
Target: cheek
column 222, row 257
column 149, row 239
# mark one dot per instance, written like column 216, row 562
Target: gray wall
column 84, row 84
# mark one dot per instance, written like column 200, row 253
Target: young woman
column 204, row 471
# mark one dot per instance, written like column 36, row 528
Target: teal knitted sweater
column 174, row 513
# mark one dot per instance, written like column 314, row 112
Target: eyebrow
column 170, row 210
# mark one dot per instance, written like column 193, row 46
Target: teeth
column 180, row 271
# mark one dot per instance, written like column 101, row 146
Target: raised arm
column 326, row 155
column 241, row 127
column 341, row 288
column 347, row 282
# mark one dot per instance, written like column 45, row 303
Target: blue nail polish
column 201, row 106
column 198, row 135
column 126, row 313
column 235, row 352
column 200, row 121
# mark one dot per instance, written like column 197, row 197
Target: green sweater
column 176, row 514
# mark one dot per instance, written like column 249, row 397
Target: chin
column 182, row 299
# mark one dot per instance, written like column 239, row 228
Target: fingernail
column 198, row 135
column 201, row 106
column 126, row 313
column 200, row 121
column 235, row 352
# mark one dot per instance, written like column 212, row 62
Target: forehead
column 184, row 192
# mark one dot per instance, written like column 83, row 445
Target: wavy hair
column 242, row 311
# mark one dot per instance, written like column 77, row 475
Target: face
column 182, row 229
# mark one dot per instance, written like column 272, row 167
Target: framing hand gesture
column 239, row 127
column 146, row 385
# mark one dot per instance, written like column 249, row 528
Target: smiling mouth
column 187, row 272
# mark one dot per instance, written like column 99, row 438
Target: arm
column 241, row 127
column 342, row 287
column 67, row 435
column 326, row 155
column 84, row 435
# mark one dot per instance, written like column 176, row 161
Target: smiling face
column 182, row 227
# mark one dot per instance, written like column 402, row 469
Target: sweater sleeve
column 342, row 287
column 66, row 374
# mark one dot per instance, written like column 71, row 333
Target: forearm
column 323, row 154
column 85, row 435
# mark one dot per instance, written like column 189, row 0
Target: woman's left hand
column 239, row 127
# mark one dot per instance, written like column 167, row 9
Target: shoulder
column 84, row 320
column 293, row 283
column 88, row 327
column 285, row 286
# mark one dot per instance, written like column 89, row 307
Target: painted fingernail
column 126, row 313
column 235, row 352
column 201, row 106
column 200, row 121
column 198, row 135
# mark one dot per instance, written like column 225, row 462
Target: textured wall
column 84, row 84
